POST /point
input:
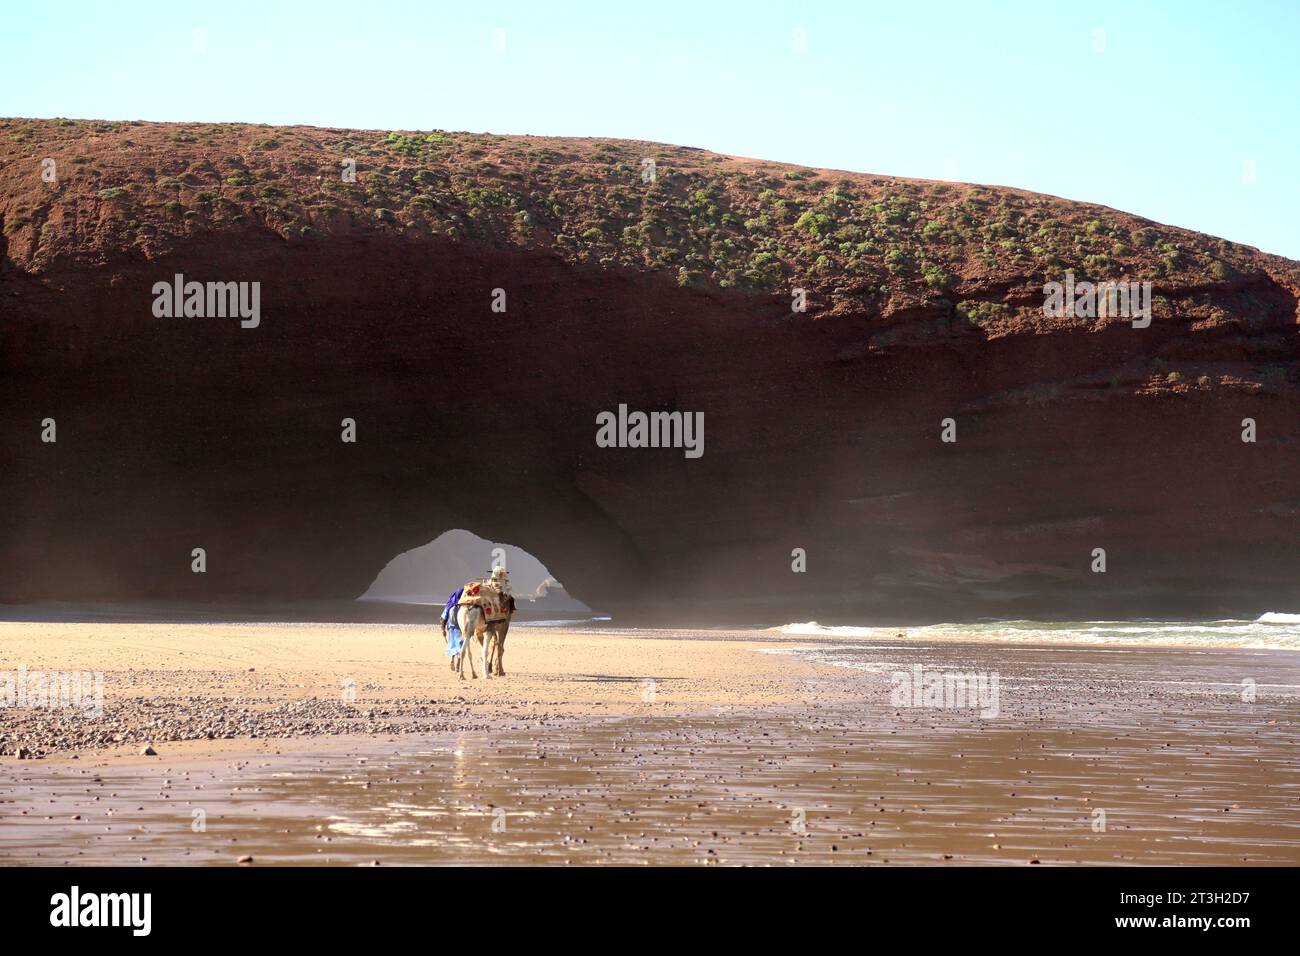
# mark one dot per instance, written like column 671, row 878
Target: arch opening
column 427, row 574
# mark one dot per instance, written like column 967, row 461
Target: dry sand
column 179, row 682
column 641, row 747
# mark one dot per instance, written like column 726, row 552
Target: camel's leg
column 467, row 622
column 501, row 651
column 468, row 653
column 464, row 648
column 487, row 653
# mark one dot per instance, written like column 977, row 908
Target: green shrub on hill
column 937, row 277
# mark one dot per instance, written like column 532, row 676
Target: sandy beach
column 210, row 683
column 355, row 744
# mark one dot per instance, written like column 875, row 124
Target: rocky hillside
column 866, row 243
column 925, row 301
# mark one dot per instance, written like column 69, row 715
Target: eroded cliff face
column 822, row 429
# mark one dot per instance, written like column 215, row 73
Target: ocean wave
column 1271, row 631
column 1277, row 617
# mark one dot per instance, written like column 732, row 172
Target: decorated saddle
column 496, row 603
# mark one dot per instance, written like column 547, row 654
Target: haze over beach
column 742, row 435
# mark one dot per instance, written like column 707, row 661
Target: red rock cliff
column 822, row 428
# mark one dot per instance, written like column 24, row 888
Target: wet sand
column 731, row 755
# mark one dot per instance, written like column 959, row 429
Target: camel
column 491, row 636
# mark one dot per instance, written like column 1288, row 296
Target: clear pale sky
column 1187, row 114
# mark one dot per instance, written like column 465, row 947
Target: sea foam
column 1273, row 630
